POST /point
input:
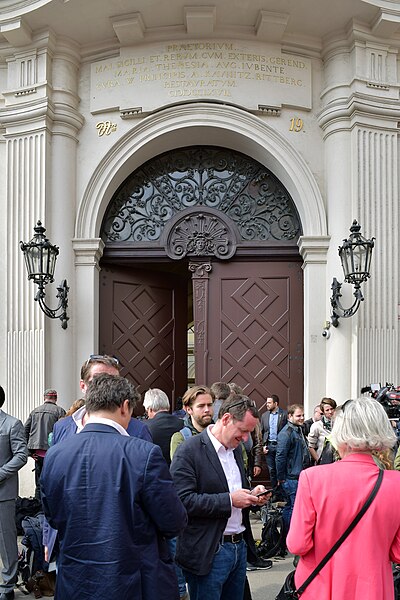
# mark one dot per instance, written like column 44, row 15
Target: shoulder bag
column 289, row 591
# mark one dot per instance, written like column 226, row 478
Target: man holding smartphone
column 208, row 473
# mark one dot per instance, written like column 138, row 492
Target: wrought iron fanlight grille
column 195, row 177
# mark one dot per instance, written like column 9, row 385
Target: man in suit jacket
column 161, row 424
column 272, row 422
column 13, row 456
column 208, row 473
column 112, row 499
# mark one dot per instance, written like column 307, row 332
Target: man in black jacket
column 161, row 423
column 208, row 473
column 37, row 428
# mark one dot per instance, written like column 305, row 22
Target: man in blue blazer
column 112, row 499
column 209, row 475
column 13, row 456
column 93, row 366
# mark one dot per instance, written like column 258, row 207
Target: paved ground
column 264, row 584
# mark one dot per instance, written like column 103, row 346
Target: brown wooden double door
column 248, row 321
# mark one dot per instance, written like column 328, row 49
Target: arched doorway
column 204, row 235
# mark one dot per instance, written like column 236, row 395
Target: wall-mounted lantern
column 355, row 255
column 40, row 261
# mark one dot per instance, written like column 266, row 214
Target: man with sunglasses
column 92, row 367
column 114, row 504
column 208, row 472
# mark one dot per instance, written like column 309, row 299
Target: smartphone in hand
column 264, row 493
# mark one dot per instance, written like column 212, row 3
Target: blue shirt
column 273, row 427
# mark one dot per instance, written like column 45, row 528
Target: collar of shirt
column 232, row 473
column 104, row 421
column 77, row 417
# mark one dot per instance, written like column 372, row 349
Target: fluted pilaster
column 377, row 199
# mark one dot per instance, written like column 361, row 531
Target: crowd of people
column 160, row 507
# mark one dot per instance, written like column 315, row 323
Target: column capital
column 314, row 249
column 88, row 252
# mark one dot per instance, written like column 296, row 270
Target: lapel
column 3, row 417
column 214, row 461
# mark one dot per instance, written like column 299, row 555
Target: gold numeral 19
column 296, row 124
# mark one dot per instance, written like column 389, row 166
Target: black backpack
column 273, row 535
column 396, row 581
column 25, row 507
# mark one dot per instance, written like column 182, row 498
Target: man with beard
column 292, row 456
column 198, row 402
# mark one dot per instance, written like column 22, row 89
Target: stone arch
column 207, row 123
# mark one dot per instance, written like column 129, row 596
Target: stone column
column 86, row 299
column 359, row 122
column 200, row 277
column 39, row 100
column 314, row 251
column 61, row 203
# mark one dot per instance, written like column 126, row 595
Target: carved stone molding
column 200, row 270
column 200, row 234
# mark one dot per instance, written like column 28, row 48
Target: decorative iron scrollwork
column 201, row 176
column 200, row 234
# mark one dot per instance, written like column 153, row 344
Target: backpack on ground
column 33, row 541
column 25, row 507
column 31, row 561
column 272, row 535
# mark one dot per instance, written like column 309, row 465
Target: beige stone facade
column 90, row 90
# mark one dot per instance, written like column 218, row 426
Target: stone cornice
column 359, row 109
column 39, row 114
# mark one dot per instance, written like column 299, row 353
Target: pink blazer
column 328, row 498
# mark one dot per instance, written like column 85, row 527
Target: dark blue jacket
column 112, row 500
column 292, row 454
column 64, row 428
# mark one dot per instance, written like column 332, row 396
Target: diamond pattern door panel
column 143, row 323
column 255, row 328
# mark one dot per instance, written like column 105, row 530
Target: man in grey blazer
column 13, row 456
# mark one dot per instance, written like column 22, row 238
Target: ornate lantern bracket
column 40, row 260
column 355, row 255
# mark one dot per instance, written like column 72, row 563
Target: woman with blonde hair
column 330, row 496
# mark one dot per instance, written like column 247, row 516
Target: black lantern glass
column 355, row 255
column 40, row 256
column 40, row 260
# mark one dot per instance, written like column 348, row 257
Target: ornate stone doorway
column 223, row 223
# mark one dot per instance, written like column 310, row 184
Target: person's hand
column 263, row 499
column 265, row 450
column 46, row 553
column 256, row 471
column 243, row 498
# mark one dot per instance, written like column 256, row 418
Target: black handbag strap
column 340, row 541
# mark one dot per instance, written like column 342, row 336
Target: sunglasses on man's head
column 94, row 357
column 245, row 401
